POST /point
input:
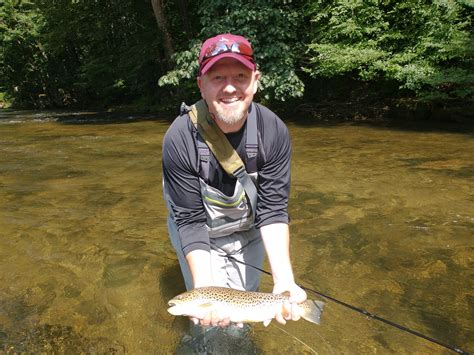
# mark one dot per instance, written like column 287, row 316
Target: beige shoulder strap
column 223, row 150
column 215, row 138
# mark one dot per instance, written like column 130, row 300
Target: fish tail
column 311, row 310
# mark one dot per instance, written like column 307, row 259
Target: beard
column 231, row 116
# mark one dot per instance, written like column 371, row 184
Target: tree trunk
column 183, row 12
column 163, row 26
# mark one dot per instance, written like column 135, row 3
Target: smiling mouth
column 229, row 101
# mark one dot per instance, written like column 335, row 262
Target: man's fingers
column 206, row 321
column 295, row 312
column 224, row 322
column 287, row 310
column 298, row 296
column 279, row 318
column 213, row 318
column 290, row 311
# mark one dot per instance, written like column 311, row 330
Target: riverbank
column 384, row 110
column 356, row 106
column 347, row 100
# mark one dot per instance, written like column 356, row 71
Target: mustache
column 231, row 116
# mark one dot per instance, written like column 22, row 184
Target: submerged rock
column 55, row 339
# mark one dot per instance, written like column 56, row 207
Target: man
column 212, row 221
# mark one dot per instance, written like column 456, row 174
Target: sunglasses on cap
column 222, row 47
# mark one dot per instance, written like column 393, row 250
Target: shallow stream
column 382, row 218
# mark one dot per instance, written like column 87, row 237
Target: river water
column 382, row 218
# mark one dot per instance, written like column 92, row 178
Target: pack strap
column 248, row 185
column 251, row 146
column 204, row 158
column 215, row 138
column 220, row 146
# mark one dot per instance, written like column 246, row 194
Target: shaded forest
column 314, row 55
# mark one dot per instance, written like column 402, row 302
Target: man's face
column 228, row 88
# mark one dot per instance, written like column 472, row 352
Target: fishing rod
column 360, row 310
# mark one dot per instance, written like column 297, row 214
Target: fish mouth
column 173, row 309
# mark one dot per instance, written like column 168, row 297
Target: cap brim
column 242, row 59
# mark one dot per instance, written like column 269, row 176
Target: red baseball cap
column 225, row 45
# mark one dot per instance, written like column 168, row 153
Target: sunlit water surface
column 382, row 218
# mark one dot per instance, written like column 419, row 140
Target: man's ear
column 199, row 82
column 255, row 87
column 255, row 83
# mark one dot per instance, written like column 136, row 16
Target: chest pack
column 211, row 138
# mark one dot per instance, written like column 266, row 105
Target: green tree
column 114, row 52
column 427, row 46
column 106, row 52
column 82, row 53
column 23, row 72
column 273, row 28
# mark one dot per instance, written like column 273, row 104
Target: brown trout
column 240, row 306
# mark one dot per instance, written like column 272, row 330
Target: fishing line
column 300, row 341
column 360, row 310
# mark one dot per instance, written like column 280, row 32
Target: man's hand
column 290, row 308
column 276, row 238
column 199, row 262
column 214, row 319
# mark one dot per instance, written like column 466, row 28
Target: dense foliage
column 274, row 29
column 425, row 46
column 143, row 53
column 58, row 53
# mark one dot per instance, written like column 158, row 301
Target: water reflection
column 381, row 218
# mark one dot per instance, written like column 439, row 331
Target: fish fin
column 206, row 305
column 311, row 310
column 267, row 322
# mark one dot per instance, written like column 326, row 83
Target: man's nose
column 229, row 87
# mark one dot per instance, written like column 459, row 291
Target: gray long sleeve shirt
column 181, row 176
